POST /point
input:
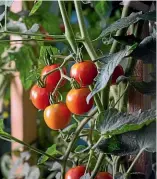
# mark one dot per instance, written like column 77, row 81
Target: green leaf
column 126, row 40
column 146, row 50
column 110, row 62
column 51, row 151
column 80, row 149
column 1, row 126
column 113, row 122
column 130, row 143
column 35, row 7
column 23, row 59
column 103, row 8
column 151, row 16
column 147, row 88
column 126, row 22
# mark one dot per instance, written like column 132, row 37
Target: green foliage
column 130, row 143
column 146, row 50
column 51, row 151
column 113, row 122
column 126, row 40
column 106, row 70
column 147, row 88
column 127, row 21
column 35, row 7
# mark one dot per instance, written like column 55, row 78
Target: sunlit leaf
column 130, row 143
column 35, row 7
column 113, row 122
column 51, row 151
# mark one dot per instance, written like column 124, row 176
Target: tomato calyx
column 40, row 83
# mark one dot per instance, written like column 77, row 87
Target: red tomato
column 75, row 173
column 48, row 38
column 118, row 71
column 76, row 101
column 62, row 27
column 57, row 116
column 53, row 78
column 84, row 72
column 39, row 97
column 104, row 175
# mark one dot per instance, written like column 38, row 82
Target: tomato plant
column 89, row 123
column 75, row 173
column 118, row 71
column 53, row 78
column 84, row 72
column 39, row 97
column 76, row 101
column 57, row 116
column 103, row 175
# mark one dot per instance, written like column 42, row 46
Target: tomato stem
column 71, row 144
column 69, row 34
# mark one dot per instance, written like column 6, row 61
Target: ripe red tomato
column 104, row 175
column 118, row 71
column 84, row 72
column 62, row 27
column 48, row 38
column 39, row 97
column 75, row 173
column 57, row 116
column 76, row 101
column 53, row 78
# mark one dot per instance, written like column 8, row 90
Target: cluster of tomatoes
column 78, row 172
column 57, row 116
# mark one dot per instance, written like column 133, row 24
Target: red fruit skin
column 75, row 173
column 48, row 38
column 76, row 101
column 39, row 97
column 118, row 71
column 84, row 72
column 62, row 27
column 104, row 175
column 52, row 79
column 57, row 116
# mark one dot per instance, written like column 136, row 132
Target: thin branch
column 78, row 130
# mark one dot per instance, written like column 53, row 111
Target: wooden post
column 139, row 101
column 23, row 114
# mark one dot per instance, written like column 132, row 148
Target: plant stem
column 119, row 32
column 84, row 33
column 88, row 45
column 56, row 69
column 78, row 130
column 69, row 34
column 5, row 23
column 32, row 34
column 89, row 159
column 98, row 164
column 135, row 160
column 29, row 146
